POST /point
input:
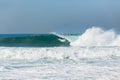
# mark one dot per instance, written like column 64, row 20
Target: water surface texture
column 93, row 55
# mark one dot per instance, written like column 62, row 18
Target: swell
column 42, row 40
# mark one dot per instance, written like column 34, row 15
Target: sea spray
column 97, row 37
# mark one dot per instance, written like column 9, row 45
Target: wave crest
column 97, row 37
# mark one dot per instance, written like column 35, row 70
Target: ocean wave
column 94, row 36
column 97, row 37
column 38, row 40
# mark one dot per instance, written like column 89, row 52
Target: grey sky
column 43, row 16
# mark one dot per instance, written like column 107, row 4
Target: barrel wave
column 39, row 40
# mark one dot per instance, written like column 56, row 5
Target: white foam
column 97, row 37
column 30, row 63
column 38, row 71
column 58, row 53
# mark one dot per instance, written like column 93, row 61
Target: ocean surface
column 93, row 55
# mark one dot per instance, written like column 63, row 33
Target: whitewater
column 93, row 55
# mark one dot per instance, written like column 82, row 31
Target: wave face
column 42, row 40
column 91, row 37
column 97, row 37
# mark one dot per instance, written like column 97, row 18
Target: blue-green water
column 30, row 40
column 93, row 55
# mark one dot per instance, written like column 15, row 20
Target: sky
column 62, row 16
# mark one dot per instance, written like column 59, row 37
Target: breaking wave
column 97, row 37
column 94, row 36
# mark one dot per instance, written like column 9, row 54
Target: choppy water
column 60, row 63
column 94, row 55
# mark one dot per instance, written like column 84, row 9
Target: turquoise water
column 93, row 55
column 33, row 40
